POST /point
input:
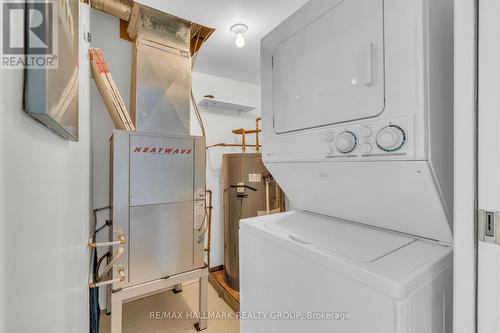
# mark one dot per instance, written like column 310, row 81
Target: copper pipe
column 243, row 132
column 209, row 226
column 237, row 131
column 257, row 131
column 267, row 196
column 243, row 141
column 251, row 131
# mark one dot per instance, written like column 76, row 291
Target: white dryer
column 358, row 131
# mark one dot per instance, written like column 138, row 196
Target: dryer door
column 338, row 75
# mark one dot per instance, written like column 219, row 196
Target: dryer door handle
column 371, row 53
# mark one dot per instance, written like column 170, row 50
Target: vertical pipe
column 267, row 196
column 243, row 140
column 257, row 139
column 209, row 226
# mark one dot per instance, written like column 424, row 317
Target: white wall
column 464, row 309
column 44, row 216
column 3, row 250
column 218, row 123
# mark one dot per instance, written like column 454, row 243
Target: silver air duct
column 119, row 8
column 161, row 65
column 161, row 71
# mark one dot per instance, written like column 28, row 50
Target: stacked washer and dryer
column 358, row 131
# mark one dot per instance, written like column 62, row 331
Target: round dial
column 391, row 138
column 346, row 142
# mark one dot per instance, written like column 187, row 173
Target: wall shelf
column 213, row 103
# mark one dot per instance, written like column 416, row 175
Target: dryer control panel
column 380, row 138
column 366, row 140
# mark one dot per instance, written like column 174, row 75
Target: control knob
column 391, row 138
column 346, row 142
column 367, row 148
column 366, row 132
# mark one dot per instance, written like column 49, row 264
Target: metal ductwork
column 161, row 71
column 119, row 8
column 161, row 64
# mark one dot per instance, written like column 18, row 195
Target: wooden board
column 230, row 296
column 109, row 92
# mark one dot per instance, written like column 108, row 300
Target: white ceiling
column 219, row 56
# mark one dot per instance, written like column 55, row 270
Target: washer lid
column 394, row 264
column 356, row 242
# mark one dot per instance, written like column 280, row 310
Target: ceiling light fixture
column 239, row 29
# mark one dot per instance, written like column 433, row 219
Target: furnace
column 158, row 221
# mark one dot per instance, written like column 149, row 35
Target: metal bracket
column 488, row 226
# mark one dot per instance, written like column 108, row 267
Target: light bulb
column 239, row 29
column 240, row 41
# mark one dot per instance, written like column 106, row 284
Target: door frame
column 465, row 165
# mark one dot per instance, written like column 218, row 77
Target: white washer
column 357, row 107
column 367, row 280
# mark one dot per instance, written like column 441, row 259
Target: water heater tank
column 245, row 179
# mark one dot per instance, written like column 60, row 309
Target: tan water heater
column 249, row 191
